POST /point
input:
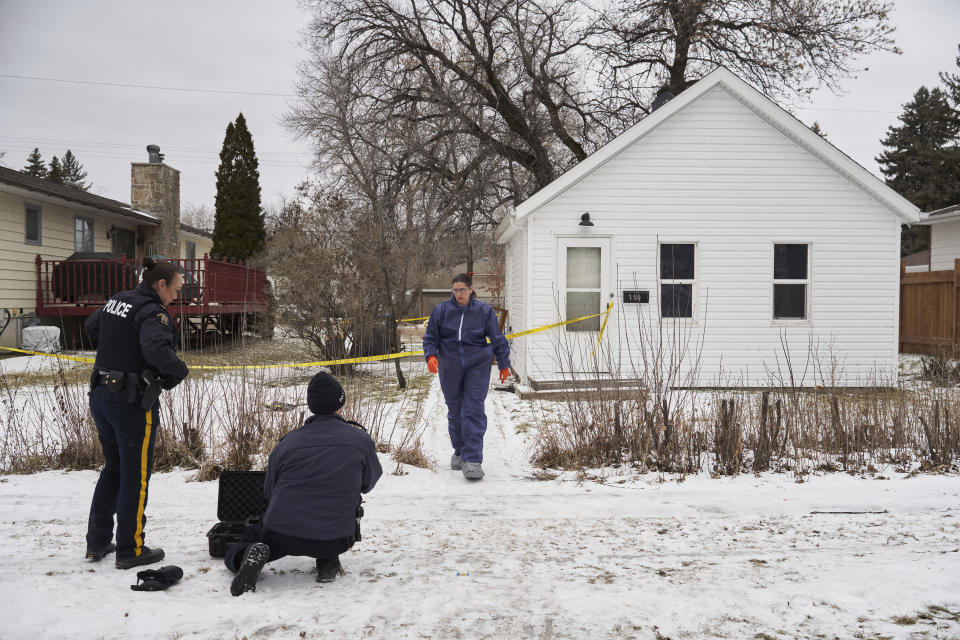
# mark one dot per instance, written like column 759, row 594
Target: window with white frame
column 583, row 287
column 678, row 279
column 33, row 225
column 83, row 234
column 791, row 281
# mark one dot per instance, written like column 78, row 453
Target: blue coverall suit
column 457, row 336
column 136, row 334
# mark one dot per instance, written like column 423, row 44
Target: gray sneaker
column 472, row 471
column 455, row 462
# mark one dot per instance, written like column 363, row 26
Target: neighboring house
column 944, row 236
column 919, row 261
column 735, row 242
column 487, row 282
column 43, row 223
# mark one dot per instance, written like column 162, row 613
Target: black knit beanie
column 324, row 394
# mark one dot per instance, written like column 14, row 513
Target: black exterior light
column 585, row 220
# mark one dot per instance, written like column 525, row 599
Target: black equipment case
column 240, row 502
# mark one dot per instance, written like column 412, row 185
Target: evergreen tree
column 922, row 160
column 55, row 173
column 952, row 82
column 815, row 127
column 238, row 229
column 73, row 173
column 35, row 166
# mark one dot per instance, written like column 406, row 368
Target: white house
column 944, row 236
column 739, row 248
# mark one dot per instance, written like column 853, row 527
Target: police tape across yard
column 327, row 363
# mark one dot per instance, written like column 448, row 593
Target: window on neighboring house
column 678, row 279
column 33, row 225
column 191, row 250
column 83, row 234
column 791, row 280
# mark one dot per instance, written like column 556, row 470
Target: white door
column 583, row 274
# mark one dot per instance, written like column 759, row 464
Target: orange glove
column 504, row 374
column 432, row 364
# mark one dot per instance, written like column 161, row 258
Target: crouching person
column 315, row 476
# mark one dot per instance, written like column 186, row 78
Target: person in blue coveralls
column 455, row 346
column 136, row 359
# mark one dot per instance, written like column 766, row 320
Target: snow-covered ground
column 515, row 557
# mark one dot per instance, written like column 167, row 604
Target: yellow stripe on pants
column 141, row 504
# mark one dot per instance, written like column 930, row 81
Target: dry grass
column 222, row 419
column 666, row 425
column 413, row 455
column 856, row 431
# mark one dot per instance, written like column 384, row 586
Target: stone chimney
column 155, row 189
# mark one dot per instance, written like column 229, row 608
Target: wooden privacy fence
column 929, row 311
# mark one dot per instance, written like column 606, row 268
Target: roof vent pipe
column 155, row 156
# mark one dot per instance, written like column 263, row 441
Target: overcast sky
column 252, row 46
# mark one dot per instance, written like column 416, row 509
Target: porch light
column 585, row 220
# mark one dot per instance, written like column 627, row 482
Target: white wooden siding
column 717, row 174
column 514, row 278
column 944, row 244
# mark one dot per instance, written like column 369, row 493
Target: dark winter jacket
column 458, row 334
column 315, row 476
column 136, row 333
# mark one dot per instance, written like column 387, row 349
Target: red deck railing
column 80, row 287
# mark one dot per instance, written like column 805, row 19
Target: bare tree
column 197, row 215
column 305, row 257
column 784, row 47
column 505, row 73
column 376, row 163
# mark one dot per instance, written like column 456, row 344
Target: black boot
column 328, row 569
column 96, row 555
column 254, row 557
column 147, row 556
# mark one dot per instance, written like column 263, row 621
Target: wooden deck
column 210, row 287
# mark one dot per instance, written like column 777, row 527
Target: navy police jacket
column 315, row 476
column 137, row 333
column 458, row 334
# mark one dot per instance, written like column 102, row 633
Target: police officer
column 136, row 357
column 315, row 476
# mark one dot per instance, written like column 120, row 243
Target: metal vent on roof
column 154, row 152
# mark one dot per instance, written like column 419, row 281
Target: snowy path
column 511, row 557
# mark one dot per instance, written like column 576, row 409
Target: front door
column 124, row 243
column 583, row 276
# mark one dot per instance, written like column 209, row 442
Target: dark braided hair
column 154, row 271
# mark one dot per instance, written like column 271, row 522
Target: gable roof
column 21, row 180
column 754, row 100
column 197, row 231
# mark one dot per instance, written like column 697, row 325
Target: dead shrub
column 728, row 442
column 413, row 455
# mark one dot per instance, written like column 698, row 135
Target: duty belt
column 111, row 378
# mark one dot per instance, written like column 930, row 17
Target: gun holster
column 151, row 389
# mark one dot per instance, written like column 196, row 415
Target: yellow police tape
column 327, row 363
